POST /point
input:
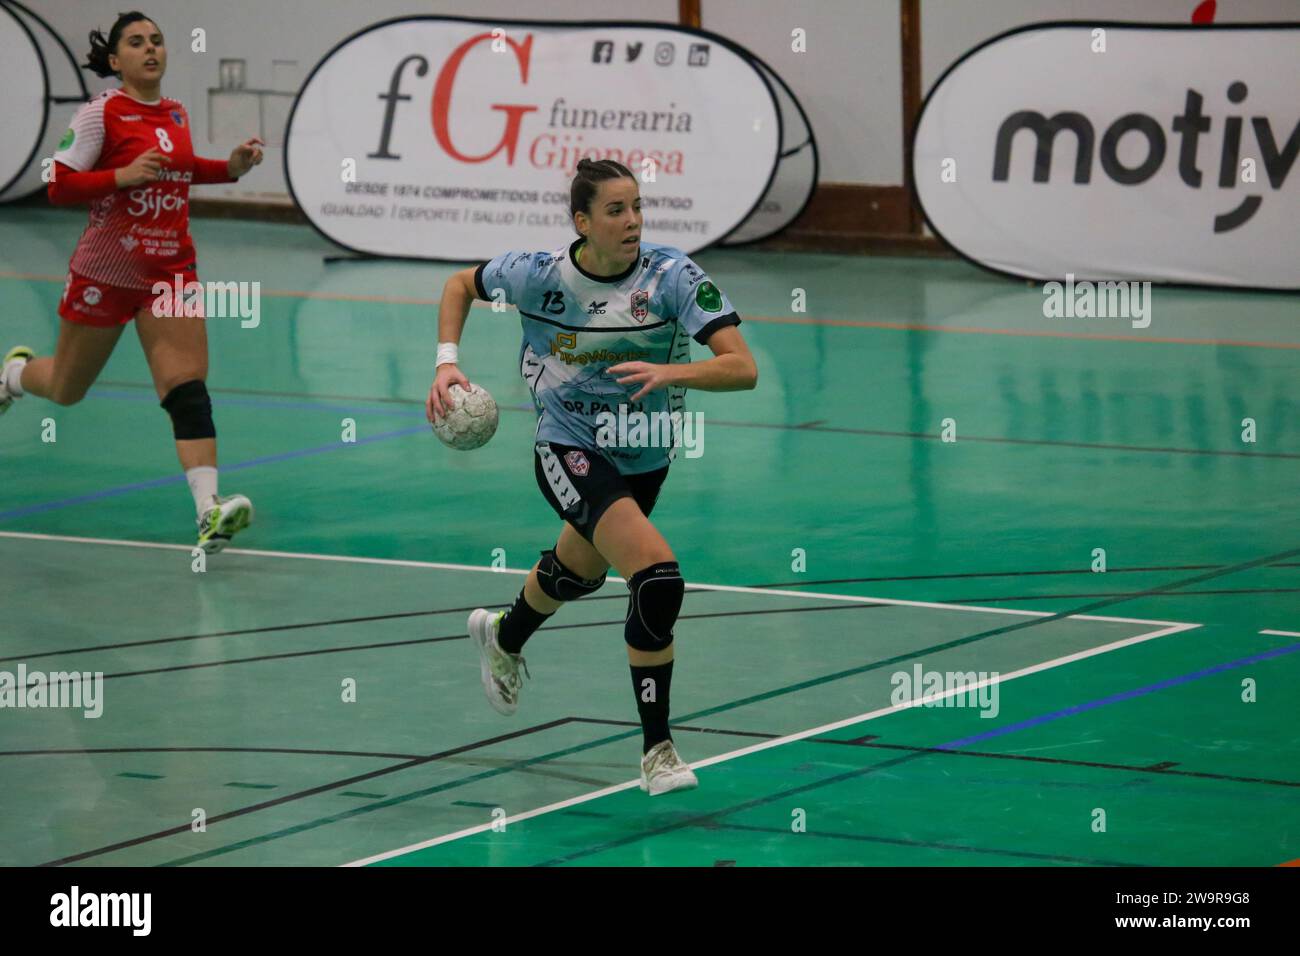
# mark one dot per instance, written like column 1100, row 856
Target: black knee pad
column 559, row 583
column 191, row 411
column 653, row 606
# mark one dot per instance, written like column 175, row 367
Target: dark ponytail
column 101, row 46
column 590, row 174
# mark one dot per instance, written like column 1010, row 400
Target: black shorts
column 580, row 484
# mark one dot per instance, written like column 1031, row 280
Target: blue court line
column 218, row 401
column 838, row 778
column 859, row 772
column 1116, row 698
column 180, row 476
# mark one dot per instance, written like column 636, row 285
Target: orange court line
column 792, row 320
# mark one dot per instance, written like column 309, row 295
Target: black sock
column 653, row 711
column 518, row 625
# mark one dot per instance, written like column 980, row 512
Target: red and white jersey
column 139, row 235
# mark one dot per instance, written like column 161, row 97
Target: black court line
column 1000, row 574
column 207, row 750
column 844, row 606
column 870, row 741
column 920, row 844
column 702, row 819
column 906, row 757
column 322, row 788
column 271, row 628
column 1269, row 559
column 804, row 427
column 928, row 436
column 1060, row 597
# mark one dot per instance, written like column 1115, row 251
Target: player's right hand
column 145, row 168
column 439, row 400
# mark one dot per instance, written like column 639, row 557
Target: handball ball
column 470, row 422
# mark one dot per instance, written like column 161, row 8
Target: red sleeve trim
column 69, row 187
column 212, row 171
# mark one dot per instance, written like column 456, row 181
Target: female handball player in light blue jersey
column 606, row 323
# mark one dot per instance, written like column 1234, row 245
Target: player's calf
column 557, row 582
column 655, row 596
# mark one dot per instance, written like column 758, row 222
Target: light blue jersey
column 576, row 325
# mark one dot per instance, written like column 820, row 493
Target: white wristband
column 448, row 353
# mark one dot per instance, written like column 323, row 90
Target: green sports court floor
column 1145, row 715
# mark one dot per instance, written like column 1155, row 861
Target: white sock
column 13, row 378
column 203, row 486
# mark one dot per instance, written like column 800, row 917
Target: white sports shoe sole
column 682, row 777
column 480, row 631
column 19, row 354
column 236, row 515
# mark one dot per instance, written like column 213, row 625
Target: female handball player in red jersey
column 128, row 153
column 607, row 324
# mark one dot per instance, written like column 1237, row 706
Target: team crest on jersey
column 708, row 298
column 178, row 117
column 91, row 295
column 640, row 304
column 577, row 463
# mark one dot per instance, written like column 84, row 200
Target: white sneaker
column 221, row 520
column 20, row 355
column 662, row 771
column 499, row 669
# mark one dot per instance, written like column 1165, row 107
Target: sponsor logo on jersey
column 640, row 304
column 597, row 308
column 577, row 463
column 129, row 242
column 569, row 340
column 68, row 138
column 91, row 295
column 708, row 298
column 146, row 201
column 134, row 116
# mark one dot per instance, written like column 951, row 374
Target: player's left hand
column 649, row 376
column 245, row 156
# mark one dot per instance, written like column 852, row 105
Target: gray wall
column 848, row 80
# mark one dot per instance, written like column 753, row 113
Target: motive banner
column 1120, row 151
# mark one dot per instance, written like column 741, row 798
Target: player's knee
column 559, row 583
column 654, row 601
column 67, row 393
column 190, row 409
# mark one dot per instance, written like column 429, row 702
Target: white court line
column 737, row 589
column 778, row 741
column 1167, row 627
column 1283, row 633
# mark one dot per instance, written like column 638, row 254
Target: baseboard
column 841, row 217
